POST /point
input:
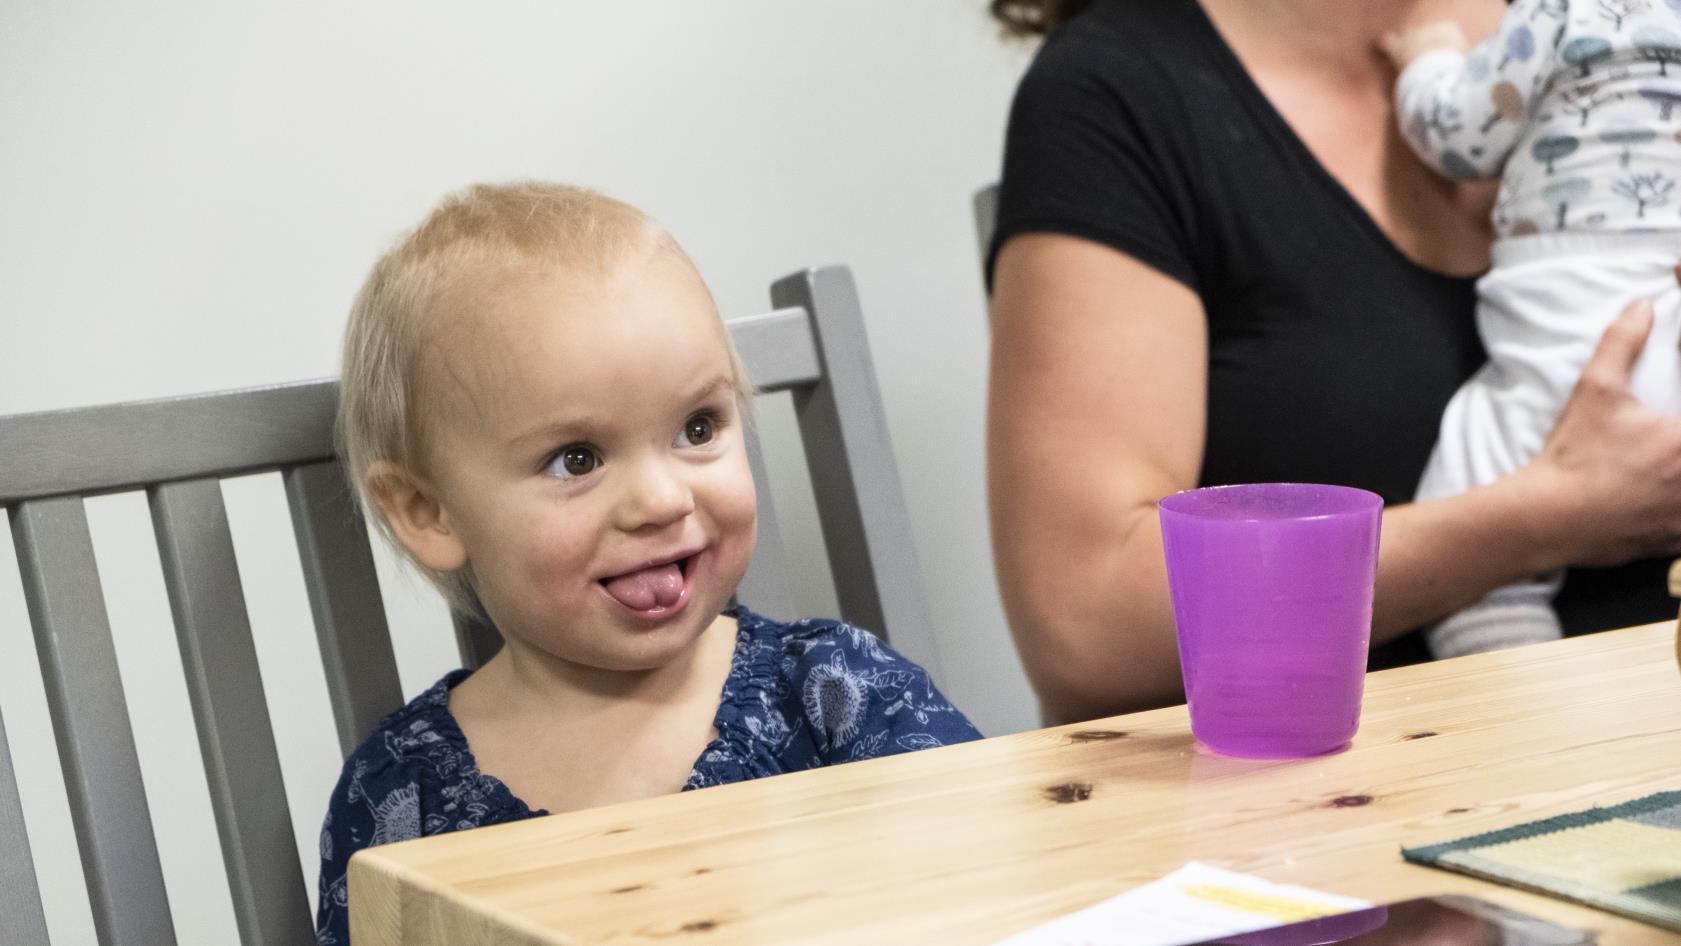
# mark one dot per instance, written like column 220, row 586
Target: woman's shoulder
column 1133, row 39
column 1128, row 89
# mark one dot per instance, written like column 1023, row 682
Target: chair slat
column 338, row 568
column 225, row 685
column 91, row 450
column 20, row 896
column 476, row 640
column 90, row 720
column 765, row 588
column 850, row 456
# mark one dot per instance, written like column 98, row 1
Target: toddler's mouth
column 652, row 590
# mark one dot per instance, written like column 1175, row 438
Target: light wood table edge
column 413, row 905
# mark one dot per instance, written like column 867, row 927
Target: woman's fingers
column 1614, row 465
column 1619, row 348
column 1605, row 378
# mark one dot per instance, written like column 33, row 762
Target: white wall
column 190, row 193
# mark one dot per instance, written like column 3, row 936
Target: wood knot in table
column 1069, row 793
column 1350, row 801
column 1426, row 734
column 1095, row 735
column 698, row 926
column 630, row 889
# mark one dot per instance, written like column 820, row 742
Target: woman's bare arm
column 1096, row 409
column 1096, row 404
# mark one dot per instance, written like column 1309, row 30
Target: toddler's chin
column 654, row 649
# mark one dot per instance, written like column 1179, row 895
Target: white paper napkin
column 1195, row 902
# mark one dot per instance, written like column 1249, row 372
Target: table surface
column 971, row 843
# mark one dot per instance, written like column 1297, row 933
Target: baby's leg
column 1507, row 617
column 1541, row 312
column 1475, row 446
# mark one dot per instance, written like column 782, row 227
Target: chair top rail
column 87, row 451
column 112, row 448
column 779, row 349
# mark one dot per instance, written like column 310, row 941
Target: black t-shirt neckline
column 1255, row 99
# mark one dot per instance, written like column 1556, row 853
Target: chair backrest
column 177, row 451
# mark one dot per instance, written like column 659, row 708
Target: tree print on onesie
column 1573, row 103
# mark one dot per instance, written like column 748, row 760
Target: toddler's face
column 587, row 453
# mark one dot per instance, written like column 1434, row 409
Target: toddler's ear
column 415, row 516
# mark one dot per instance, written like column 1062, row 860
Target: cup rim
column 1357, row 501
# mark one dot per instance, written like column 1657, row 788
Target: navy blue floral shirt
column 798, row 696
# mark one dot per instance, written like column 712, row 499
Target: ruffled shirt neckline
column 753, row 687
column 747, row 709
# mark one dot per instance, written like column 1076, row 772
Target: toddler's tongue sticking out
column 643, row 590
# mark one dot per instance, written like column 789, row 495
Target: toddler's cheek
column 737, row 515
column 554, row 554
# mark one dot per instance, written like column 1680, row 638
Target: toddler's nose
column 656, row 494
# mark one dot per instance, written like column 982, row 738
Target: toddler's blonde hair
column 381, row 411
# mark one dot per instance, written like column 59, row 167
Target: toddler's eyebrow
column 579, row 426
column 704, row 391
column 569, row 428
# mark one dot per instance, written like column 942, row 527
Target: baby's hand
column 1404, row 45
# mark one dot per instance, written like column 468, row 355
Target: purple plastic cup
column 1272, row 596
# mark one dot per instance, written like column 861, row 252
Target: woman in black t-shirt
column 1217, row 262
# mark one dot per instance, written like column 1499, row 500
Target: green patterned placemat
column 1625, row 859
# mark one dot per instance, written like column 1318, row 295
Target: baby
column 545, row 413
column 1572, row 105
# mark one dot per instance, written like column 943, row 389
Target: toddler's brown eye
column 698, row 430
column 575, row 461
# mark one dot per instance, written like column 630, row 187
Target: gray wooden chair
column 177, row 450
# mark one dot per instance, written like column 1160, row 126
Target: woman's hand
column 1610, row 473
column 1605, row 489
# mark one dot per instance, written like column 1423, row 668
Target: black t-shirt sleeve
column 1086, row 154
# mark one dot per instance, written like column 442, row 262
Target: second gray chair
column 985, row 206
column 177, row 450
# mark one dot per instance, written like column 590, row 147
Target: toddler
column 544, row 412
column 1572, row 104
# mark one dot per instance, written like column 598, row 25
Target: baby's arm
column 1461, row 112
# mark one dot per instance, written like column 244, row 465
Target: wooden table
column 970, row 843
